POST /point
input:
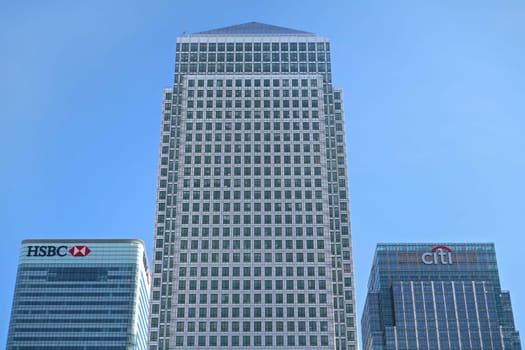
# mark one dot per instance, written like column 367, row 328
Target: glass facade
column 80, row 294
column 428, row 296
column 252, row 243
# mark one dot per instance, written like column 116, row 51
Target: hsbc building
column 80, row 294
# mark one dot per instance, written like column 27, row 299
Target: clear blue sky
column 434, row 104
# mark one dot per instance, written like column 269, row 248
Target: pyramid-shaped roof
column 253, row 28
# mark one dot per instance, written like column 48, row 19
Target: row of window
column 247, row 206
column 247, row 83
column 75, row 293
column 238, row 126
column 209, row 57
column 63, row 330
column 276, row 159
column 72, row 286
column 81, row 268
column 249, row 257
column 428, row 315
column 74, row 302
column 48, row 341
column 421, row 327
column 247, row 232
column 247, row 326
column 182, row 68
column 248, row 284
column 47, row 320
column 286, row 137
column 235, row 312
column 256, row 271
column 246, row 94
column 217, row 195
column 247, row 219
column 449, row 302
column 247, row 113
column 257, row 257
column 257, row 182
column 249, row 244
column 75, row 311
column 253, row 46
column 234, row 340
column 247, row 159
column 235, row 299
column 332, row 189
column 256, row 231
column 289, row 299
column 257, row 171
column 79, row 277
column 453, row 341
column 251, row 219
column 256, row 103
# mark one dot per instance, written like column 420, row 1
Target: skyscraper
column 80, row 295
column 434, row 296
column 252, row 244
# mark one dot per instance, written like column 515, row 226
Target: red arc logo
column 444, row 247
column 79, row 250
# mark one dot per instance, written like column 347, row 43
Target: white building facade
column 252, row 244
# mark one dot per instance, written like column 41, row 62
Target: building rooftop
column 253, row 28
column 90, row 240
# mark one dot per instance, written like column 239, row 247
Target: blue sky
column 434, row 104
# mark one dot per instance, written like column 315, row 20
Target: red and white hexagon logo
column 79, row 250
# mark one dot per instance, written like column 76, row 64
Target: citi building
column 80, row 295
column 252, row 243
column 437, row 297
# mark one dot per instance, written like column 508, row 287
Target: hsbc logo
column 79, row 250
column 51, row 250
column 440, row 255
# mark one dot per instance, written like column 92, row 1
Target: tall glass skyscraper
column 437, row 297
column 252, row 243
column 80, row 295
